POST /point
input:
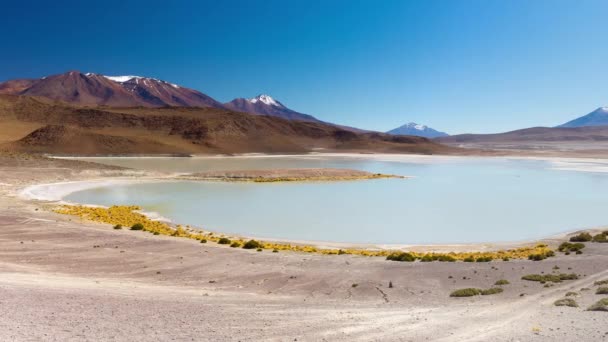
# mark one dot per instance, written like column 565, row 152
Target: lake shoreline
column 74, row 278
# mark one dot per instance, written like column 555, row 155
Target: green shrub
column 427, row 258
column 601, row 282
column 600, row 305
column 502, row 282
column 235, row 245
column 446, row 258
column 602, row 238
column 566, row 302
column 537, row 257
column 567, row 247
column 401, row 257
column 469, row 259
column 483, row 259
column 491, row 291
column 469, row 292
column 118, row 226
column 156, row 233
column 582, row 237
column 252, row 244
column 224, row 241
column 275, row 251
column 602, row 290
column 203, row 240
column 554, row 278
column 137, row 226
column 505, row 259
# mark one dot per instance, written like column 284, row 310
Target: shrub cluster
column 541, row 256
column 582, row 237
column 491, row 291
column 484, row 259
column 601, row 282
column 566, row 302
column 554, row 278
column 224, row 241
column 602, row 290
column 470, row 292
column 502, row 282
column 600, row 305
column 568, row 247
column 137, row 226
column 252, row 244
column 401, row 257
column 602, row 237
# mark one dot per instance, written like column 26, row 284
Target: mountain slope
column 41, row 125
column 598, row 117
column 266, row 105
column 122, row 91
column 538, row 134
column 415, row 129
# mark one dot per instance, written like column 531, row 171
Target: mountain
column 535, row 137
column 598, row 117
column 37, row 124
column 413, row 128
column 115, row 91
column 266, row 105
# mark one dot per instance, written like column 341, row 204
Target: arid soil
column 66, row 280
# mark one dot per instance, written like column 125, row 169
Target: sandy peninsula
column 64, row 279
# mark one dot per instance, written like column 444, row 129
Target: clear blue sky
column 458, row 66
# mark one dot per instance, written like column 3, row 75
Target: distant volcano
column 413, row 128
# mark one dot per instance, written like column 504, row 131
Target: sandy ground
column 66, row 280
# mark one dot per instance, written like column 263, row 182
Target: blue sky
column 458, row 66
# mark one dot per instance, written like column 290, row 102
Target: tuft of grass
column 601, row 282
column 235, row 245
column 118, row 226
column 554, row 278
column 483, row 259
column 137, row 226
column 252, row 244
column 566, row 302
column 582, row 237
column 491, row 291
column 275, row 251
column 224, row 241
column 469, row 259
column 600, row 305
column 568, row 247
column 203, row 240
column 468, row 292
column 401, row 257
column 602, row 290
column 259, row 249
column 502, row 282
column 601, row 238
column 571, row 294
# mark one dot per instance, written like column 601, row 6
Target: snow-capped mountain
column 598, row 117
column 413, row 128
column 117, row 91
column 266, row 105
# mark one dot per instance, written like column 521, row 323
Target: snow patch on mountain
column 266, row 99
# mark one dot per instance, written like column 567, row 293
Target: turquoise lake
column 447, row 200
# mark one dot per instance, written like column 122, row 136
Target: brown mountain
column 34, row 124
column 266, row 105
column 122, row 91
column 538, row 134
